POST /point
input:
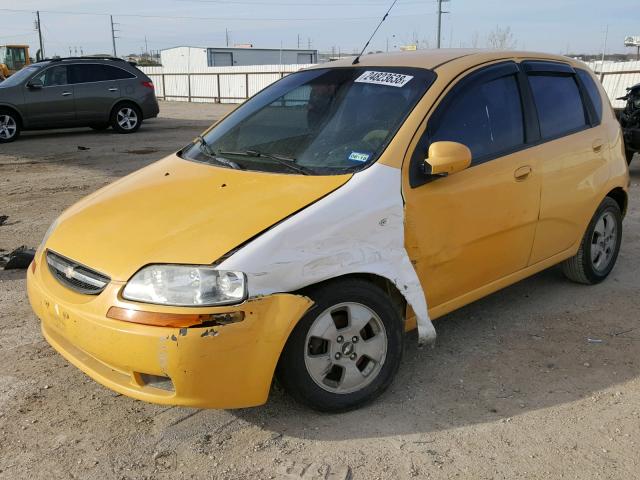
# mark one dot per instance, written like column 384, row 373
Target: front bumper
column 227, row 366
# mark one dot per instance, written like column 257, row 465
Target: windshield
column 318, row 122
column 19, row 76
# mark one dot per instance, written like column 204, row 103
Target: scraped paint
column 358, row 228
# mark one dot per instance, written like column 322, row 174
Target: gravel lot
column 514, row 387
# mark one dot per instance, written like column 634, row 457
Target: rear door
column 97, row 89
column 53, row 105
column 575, row 145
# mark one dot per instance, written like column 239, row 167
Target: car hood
column 179, row 211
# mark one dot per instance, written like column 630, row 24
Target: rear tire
column 346, row 350
column 9, row 126
column 599, row 248
column 126, row 118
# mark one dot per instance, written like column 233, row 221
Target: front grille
column 75, row 275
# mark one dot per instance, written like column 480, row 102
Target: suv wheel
column 599, row 248
column 346, row 349
column 9, row 126
column 126, row 118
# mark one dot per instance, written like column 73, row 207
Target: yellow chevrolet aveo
column 345, row 204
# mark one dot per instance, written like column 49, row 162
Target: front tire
column 346, row 350
column 599, row 248
column 9, row 126
column 126, row 118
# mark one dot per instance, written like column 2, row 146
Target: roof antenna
column 357, row 59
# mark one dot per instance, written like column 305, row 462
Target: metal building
column 192, row 58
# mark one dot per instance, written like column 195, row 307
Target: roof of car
column 435, row 58
column 94, row 58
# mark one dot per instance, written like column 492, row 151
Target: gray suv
column 76, row 92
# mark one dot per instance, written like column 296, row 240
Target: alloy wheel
column 8, row 127
column 127, row 118
column 345, row 348
column 604, row 241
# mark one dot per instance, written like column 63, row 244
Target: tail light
column 148, row 84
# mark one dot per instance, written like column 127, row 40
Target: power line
column 305, row 5
column 173, row 17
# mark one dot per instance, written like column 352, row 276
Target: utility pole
column 40, row 34
column 113, row 36
column 604, row 51
column 298, row 41
column 146, row 46
column 226, row 36
column 440, row 12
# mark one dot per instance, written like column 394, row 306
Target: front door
column 53, row 104
column 476, row 226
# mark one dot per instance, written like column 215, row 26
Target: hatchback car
column 304, row 233
column 76, row 92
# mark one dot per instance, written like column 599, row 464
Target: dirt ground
column 541, row 380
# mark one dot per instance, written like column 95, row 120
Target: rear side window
column 559, row 104
column 592, row 91
column 95, row 72
column 115, row 73
column 487, row 118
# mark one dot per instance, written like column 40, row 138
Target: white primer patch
column 359, row 228
column 384, row 78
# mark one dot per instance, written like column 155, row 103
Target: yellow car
column 304, row 233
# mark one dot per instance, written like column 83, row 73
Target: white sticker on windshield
column 359, row 156
column 384, row 78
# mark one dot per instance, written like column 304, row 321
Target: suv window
column 559, row 105
column 592, row 91
column 54, row 76
column 96, row 72
column 487, row 118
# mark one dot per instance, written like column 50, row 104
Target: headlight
column 186, row 285
column 47, row 234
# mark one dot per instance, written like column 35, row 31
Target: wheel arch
column 621, row 198
column 15, row 111
column 395, row 296
column 123, row 101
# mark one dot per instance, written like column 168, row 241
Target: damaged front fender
column 359, row 228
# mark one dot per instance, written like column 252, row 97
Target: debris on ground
column 3, row 219
column 19, row 259
column 80, row 147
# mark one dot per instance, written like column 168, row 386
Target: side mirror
column 35, row 84
column 446, row 158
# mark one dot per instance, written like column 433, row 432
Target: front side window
column 54, row 76
column 559, row 105
column 486, row 117
column 324, row 121
column 19, row 76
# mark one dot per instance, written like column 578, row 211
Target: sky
column 83, row 26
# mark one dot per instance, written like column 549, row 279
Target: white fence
column 236, row 84
column 216, row 84
column 616, row 77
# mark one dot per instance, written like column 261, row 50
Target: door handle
column 522, row 173
column 66, row 94
column 597, row 145
column 113, row 89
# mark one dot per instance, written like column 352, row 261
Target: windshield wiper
column 280, row 159
column 208, row 151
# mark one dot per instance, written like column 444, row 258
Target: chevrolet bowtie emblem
column 68, row 272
